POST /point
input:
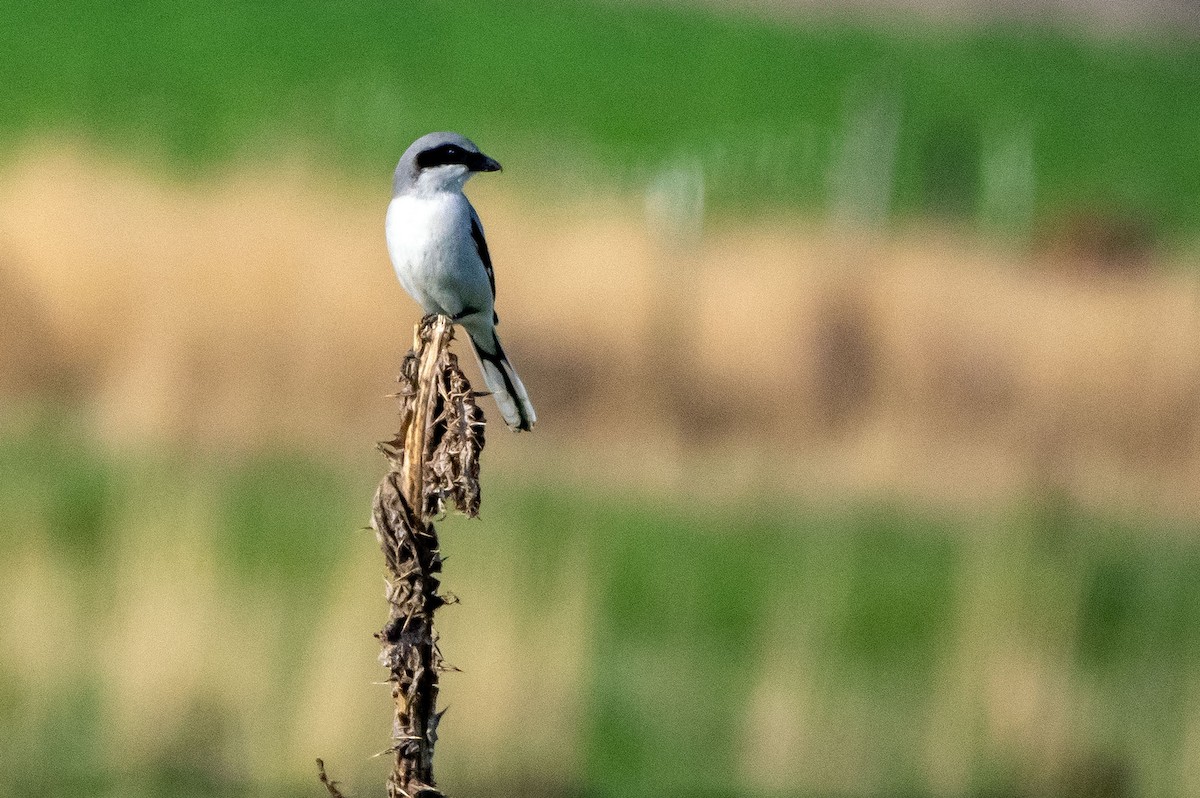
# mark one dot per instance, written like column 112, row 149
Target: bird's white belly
column 429, row 241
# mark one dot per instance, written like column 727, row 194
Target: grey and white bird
column 436, row 244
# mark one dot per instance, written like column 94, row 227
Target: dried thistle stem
column 434, row 457
column 329, row 783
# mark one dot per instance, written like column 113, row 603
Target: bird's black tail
column 505, row 385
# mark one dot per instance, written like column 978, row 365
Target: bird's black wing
column 481, row 246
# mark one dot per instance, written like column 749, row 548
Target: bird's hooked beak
column 482, row 163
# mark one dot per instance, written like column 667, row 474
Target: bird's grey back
column 407, row 171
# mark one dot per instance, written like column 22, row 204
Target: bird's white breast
column 421, row 237
column 418, row 228
column 429, row 241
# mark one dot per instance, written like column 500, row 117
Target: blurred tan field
column 258, row 305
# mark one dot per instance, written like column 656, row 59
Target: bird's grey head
column 439, row 162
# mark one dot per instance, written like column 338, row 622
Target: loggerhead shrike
column 439, row 253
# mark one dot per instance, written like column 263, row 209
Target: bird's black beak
column 482, row 163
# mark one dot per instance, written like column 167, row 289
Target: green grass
column 885, row 622
column 617, row 91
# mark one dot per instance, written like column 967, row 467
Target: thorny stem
column 434, row 457
column 329, row 783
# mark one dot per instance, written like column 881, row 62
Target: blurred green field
column 202, row 627
column 1007, row 126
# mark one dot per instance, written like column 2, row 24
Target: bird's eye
column 441, row 156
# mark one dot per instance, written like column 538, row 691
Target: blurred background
column 864, row 336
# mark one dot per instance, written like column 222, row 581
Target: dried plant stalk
column 433, row 458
